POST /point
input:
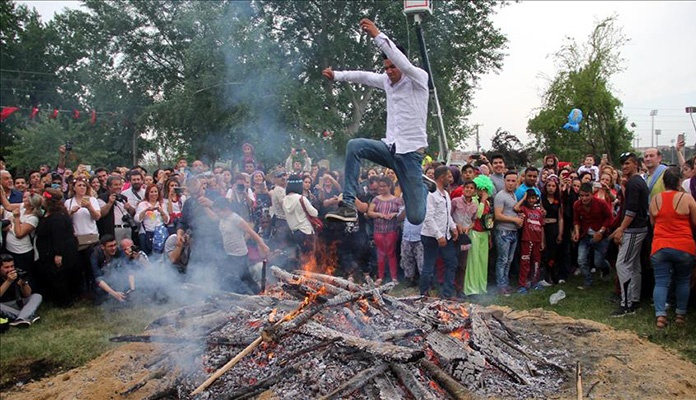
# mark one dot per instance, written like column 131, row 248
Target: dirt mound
column 615, row 364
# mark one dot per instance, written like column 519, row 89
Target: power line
column 28, row 72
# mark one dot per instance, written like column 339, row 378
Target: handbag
column 86, row 241
column 316, row 222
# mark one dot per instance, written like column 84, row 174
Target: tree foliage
column 508, row 145
column 583, row 82
column 201, row 77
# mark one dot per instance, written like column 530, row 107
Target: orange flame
column 461, row 334
column 272, row 315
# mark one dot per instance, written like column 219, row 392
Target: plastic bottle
column 556, row 297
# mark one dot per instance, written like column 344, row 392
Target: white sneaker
column 577, row 272
column 561, row 281
column 544, row 283
column 593, row 270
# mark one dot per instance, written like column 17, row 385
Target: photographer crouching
column 16, row 299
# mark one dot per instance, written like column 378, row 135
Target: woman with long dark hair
column 553, row 230
column 57, row 248
column 673, row 214
column 384, row 210
column 83, row 208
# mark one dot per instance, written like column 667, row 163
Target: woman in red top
column 384, row 209
column 673, row 214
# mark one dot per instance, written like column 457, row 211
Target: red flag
column 7, row 111
column 34, row 112
column 75, row 114
column 54, row 115
column 93, row 120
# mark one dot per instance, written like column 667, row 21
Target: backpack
column 160, row 236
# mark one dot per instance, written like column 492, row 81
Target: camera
column 121, row 198
column 6, row 223
column 129, row 220
column 240, row 187
column 21, row 274
column 68, row 146
column 179, row 191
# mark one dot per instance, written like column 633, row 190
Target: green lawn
column 68, row 338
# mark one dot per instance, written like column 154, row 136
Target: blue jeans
column 431, row 250
column 667, row 263
column 506, row 244
column 600, row 250
column 407, row 167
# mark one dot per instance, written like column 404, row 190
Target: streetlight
column 658, row 132
column 691, row 110
column 653, row 113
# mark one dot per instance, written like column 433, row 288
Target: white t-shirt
column 177, row 208
column 133, row 200
column 23, row 245
column 83, row 224
column 152, row 219
column 233, row 235
column 686, row 183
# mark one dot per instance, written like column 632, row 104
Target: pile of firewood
column 319, row 336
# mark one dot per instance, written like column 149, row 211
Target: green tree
column 508, row 145
column 583, row 82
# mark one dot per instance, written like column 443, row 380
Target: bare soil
column 615, row 365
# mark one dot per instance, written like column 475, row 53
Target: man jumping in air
column 406, row 88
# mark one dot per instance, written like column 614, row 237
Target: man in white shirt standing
column 403, row 149
column 136, row 192
column 439, row 234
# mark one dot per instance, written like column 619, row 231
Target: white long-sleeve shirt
column 407, row 100
column 438, row 216
column 295, row 215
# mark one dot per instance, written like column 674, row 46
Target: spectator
column 476, row 276
column 150, row 214
column 498, row 175
column 553, row 231
column 589, row 166
column 13, row 195
column 25, row 219
column 35, row 180
column 439, row 235
column 653, row 162
column 115, row 213
column 606, row 191
column 464, row 210
column 234, row 230
column 298, row 161
column 177, row 250
column 591, row 220
column 277, row 209
column 136, row 192
column 384, row 210
column 241, row 198
column 106, row 262
column 551, row 162
column 20, row 184
column 95, row 185
column 531, row 174
column 329, row 194
column 84, row 211
column 199, row 218
column 507, row 222
column 173, row 203
column 102, row 174
column 532, row 242
column 16, row 298
column 261, row 197
column 629, row 236
column 297, row 208
column 673, row 214
column 57, row 249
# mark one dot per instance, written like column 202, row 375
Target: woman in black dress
column 57, row 248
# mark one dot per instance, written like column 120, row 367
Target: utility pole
column 478, row 141
column 658, row 132
column 653, row 113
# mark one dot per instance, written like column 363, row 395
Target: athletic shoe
column 506, row 291
column 622, row 312
column 344, row 213
column 561, row 281
column 593, row 270
column 522, row 290
column 543, row 283
column 539, row 286
column 429, row 183
column 35, row 320
column 20, row 323
column 577, row 272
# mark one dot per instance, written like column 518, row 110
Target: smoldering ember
column 319, row 336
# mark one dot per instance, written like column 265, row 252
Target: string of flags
column 53, row 114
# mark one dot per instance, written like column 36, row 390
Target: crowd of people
column 447, row 230
column 487, row 229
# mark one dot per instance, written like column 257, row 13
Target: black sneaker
column 622, row 312
column 429, row 183
column 344, row 213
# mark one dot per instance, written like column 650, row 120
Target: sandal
column 661, row 322
column 680, row 320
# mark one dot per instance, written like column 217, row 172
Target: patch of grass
column 66, row 338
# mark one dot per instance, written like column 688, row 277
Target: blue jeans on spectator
column 667, row 263
column 431, row 249
column 600, row 251
column 407, row 167
column 506, row 244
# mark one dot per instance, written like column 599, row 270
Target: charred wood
column 410, row 382
column 357, row 381
column 264, row 384
column 454, row 388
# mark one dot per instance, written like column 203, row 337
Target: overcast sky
column 659, row 67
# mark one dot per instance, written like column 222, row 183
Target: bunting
column 34, row 112
column 54, row 114
column 6, row 112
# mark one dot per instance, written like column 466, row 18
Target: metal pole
column 442, row 138
column 653, row 113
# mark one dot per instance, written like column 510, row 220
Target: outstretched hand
column 328, row 73
column 369, row 27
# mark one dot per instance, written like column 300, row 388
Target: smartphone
column 680, row 137
column 475, row 156
column 604, row 156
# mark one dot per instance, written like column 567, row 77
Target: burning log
column 461, row 362
column 385, row 351
column 357, row 381
column 387, row 389
column 334, row 280
column 410, row 382
column 399, row 334
column 295, row 279
column 454, row 388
